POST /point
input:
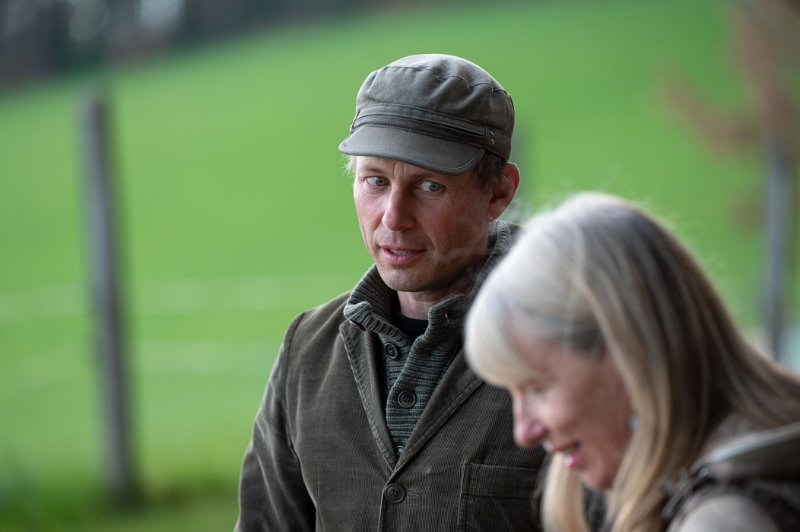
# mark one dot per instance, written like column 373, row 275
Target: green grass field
column 236, row 215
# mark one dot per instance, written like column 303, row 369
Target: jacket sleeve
column 272, row 493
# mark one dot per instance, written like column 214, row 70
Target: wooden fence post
column 107, row 297
column 779, row 224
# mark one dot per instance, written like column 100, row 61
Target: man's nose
column 397, row 214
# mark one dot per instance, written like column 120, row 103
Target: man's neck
column 417, row 304
column 412, row 307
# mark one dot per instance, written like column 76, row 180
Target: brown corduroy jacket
column 321, row 457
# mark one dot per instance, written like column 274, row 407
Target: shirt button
column 406, row 399
column 400, row 450
column 394, row 493
column 392, row 351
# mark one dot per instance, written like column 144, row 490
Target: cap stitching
column 451, row 117
column 485, row 131
column 430, row 134
column 465, row 131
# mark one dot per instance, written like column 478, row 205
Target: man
column 371, row 419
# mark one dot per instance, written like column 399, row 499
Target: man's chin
column 402, row 285
column 401, row 281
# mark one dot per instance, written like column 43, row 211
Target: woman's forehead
column 517, row 363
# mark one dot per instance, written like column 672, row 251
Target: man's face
column 425, row 231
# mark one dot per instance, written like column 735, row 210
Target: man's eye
column 376, row 181
column 431, row 186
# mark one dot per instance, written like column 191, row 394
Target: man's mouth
column 400, row 251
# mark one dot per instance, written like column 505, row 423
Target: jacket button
column 406, row 399
column 394, row 493
column 392, row 351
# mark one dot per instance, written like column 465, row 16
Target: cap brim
column 435, row 154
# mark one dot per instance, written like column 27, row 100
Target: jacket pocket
column 497, row 498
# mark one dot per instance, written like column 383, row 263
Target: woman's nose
column 528, row 433
column 528, row 430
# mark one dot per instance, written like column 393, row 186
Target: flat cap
column 439, row 112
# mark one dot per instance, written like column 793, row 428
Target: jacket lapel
column 361, row 349
column 457, row 385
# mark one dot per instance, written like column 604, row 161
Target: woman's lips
column 573, row 456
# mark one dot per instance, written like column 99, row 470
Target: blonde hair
column 598, row 271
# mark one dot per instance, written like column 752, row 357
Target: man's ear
column 503, row 191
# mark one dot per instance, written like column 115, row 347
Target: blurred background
column 214, row 127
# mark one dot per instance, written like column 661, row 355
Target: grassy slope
column 236, row 213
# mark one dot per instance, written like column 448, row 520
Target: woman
column 623, row 361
